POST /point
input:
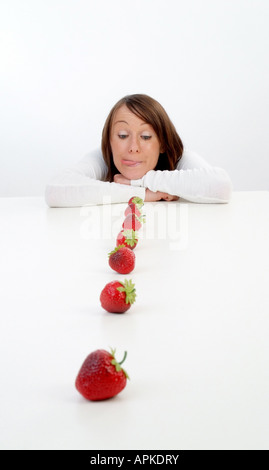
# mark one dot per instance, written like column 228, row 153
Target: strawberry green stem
column 124, row 357
column 118, row 364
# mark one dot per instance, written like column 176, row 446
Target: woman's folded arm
column 74, row 190
column 84, row 185
column 194, row 180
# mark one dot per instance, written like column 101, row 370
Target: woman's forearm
column 74, row 190
column 204, row 185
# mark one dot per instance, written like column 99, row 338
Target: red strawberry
column 117, row 297
column 132, row 222
column 101, row 376
column 122, row 259
column 132, row 209
column 127, row 238
column 137, row 201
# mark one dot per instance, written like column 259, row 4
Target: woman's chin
column 133, row 174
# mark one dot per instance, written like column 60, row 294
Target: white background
column 64, row 63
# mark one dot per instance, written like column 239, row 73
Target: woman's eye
column 123, row 136
column 146, row 137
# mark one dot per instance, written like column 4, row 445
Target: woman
column 142, row 155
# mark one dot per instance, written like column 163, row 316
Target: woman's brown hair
column 151, row 112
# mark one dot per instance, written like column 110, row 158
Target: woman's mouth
column 130, row 163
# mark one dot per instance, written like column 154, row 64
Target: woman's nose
column 134, row 146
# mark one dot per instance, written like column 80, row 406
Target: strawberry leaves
column 129, row 288
column 117, row 248
column 131, row 237
column 137, row 201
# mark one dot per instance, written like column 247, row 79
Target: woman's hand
column 150, row 196
column 118, row 178
column 158, row 196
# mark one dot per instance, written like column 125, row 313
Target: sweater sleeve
column 194, row 180
column 84, row 184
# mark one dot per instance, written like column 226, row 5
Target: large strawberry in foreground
column 101, row 376
column 117, row 297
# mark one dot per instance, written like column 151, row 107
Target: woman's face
column 135, row 145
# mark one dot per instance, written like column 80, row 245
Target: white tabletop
column 197, row 336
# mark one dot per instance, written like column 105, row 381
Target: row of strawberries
column 117, row 296
column 101, row 376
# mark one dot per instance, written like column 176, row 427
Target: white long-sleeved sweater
column 84, row 184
